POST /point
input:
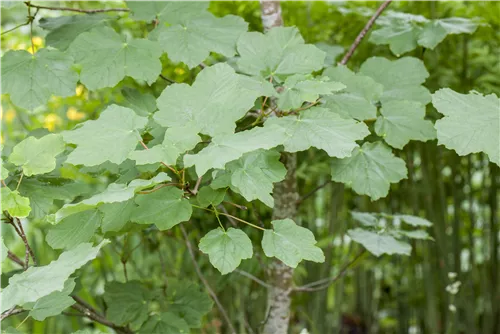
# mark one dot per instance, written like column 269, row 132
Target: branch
column 202, row 278
column 363, row 32
column 11, row 312
column 253, row 278
column 303, row 198
column 86, row 11
column 326, row 282
column 90, row 313
column 15, row 258
column 197, row 185
column 29, row 251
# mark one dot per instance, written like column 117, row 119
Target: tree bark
column 285, row 206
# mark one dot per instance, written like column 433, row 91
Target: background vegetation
column 390, row 294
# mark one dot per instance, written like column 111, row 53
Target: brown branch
column 363, row 32
column 197, row 185
column 239, row 206
column 15, row 258
column 303, row 198
column 86, row 11
column 205, row 282
column 11, row 312
column 326, row 282
column 29, row 251
column 90, row 313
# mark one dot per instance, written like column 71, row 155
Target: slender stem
column 19, row 182
column 86, row 11
column 205, row 282
column 164, row 164
column 167, row 79
column 326, row 282
column 313, row 191
column 30, row 18
column 231, row 220
column 253, row 278
column 15, row 258
column 29, row 251
column 218, row 219
column 239, row 206
column 90, row 313
column 11, row 312
column 3, row 183
column 158, row 188
column 363, row 32
column 197, row 185
column 241, row 220
column 16, row 27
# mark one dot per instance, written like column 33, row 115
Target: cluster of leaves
column 157, row 144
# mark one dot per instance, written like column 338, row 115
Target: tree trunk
column 285, row 198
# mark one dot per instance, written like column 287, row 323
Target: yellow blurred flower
column 51, row 121
column 74, row 114
column 37, row 41
column 9, row 115
column 179, row 71
column 79, row 90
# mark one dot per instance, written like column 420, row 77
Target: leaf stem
column 16, row 27
column 218, row 219
column 243, row 221
column 19, row 182
column 164, row 164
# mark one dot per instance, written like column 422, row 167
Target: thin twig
column 158, row 188
column 205, row 282
column 167, row 79
column 29, row 251
column 363, row 32
column 231, row 220
column 22, row 174
column 306, row 196
column 241, row 220
column 326, row 282
column 98, row 318
column 11, row 312
column 86, row 11
column 253, row 278
column 197, row 185
column 17, row 27
column 15, row 258
column 164, row 164
column 239, row 206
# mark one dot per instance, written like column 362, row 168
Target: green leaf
column 3, row 250
column 431, row 35
column 370, row 170
column 44, row 280
column 137, row 58
column 52, row 304
column 127, row 302
column 144, row 104
column 413, row 220
column 318, row 127
column 116, row 215
column 291, row 243
column 188, row 302
column 116, row 192
column 209, row 196
column 253, row 175
column 297, row 89
column 169, row 11
column 222, row 97
column 332, row 52
column 379, row 244
column 226, row 249
column 470, row 122
column 63, row 30
column 365, row 218
column 226, row 148
column 4, row 172
column 37, row 156
column 74, row 229
column 279, row 53
column 109, row 138
column 176, row 142
column 401, row 78
column 401, row 37
column 402, row 121
column 191, row 40
column 15, row 204
column 31, row 80
column 358, row 98
column 165, row 208
column 164, row 323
